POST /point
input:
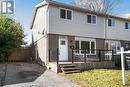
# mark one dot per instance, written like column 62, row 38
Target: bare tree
column 100, row 6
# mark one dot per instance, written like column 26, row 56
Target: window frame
column 77, row 48
column 128, row 25
column 92, row 19
column 66, row 18
column 60, row 14
column 67, row 15
column 111, row 25
column 87, row 40
column 109, row 44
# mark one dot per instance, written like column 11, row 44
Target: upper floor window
column 91, row 19
column 65, row 14
column 127, row 25
column 111, row 22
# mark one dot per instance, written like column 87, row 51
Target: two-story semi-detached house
column 61, row 26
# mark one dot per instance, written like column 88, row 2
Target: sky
column 24, row 10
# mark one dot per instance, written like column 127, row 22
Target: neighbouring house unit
column 64, row 33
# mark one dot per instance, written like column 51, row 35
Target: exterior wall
column 53, row 45
column 100, row 44
column 78, row 26
column 118, row 32
column 71, row 41
column 42, row 49
column 40, row 39
column 40, row 23
column 49, row 22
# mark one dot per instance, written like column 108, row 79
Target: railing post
column 112, row 55
column 57, row 56
column 99, row 55
column 84, row 56
column 72, row 55
column 49, row 55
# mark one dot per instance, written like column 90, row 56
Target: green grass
column 99, row 78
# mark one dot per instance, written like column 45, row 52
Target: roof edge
column 35, row 11
column 84, row 10
column 50, row 2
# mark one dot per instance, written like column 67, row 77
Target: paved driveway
column 32, row 75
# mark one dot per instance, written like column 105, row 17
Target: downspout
column 105, row 27
column 47, row 36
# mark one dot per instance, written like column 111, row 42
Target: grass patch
column 99, row 78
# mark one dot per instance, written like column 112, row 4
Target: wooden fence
column 20, row 55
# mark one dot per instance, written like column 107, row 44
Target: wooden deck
column 84, row 66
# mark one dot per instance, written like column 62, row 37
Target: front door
column 63, row 48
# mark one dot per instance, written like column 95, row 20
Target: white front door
column 63, row 48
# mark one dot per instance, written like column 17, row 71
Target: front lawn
column 99, row 78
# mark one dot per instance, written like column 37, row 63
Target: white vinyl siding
column 79, row 27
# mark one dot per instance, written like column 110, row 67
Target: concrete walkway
column 47, row 79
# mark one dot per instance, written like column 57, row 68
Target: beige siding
column 40, row 25
column 42, row 49
column 78, row 26
column 100, row 43
column 53, row 46
column 48, row 20
column 118, row 32
column 71, row 41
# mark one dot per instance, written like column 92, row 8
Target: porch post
column 57, row 56
column 72, row 55
column 99, row 55
column 84, row 56
column 49, row 55
column 112, row 55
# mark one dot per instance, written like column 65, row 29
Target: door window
column 62, row 42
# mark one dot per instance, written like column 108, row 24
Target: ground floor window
column 113, row 45
column 84, row 44
column 126, row 45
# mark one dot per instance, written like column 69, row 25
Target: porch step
column 69, row 68
column 70, row 72
column 68, row 65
